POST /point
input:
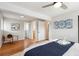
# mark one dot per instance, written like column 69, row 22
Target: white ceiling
column 16, row 16
column 49, row 11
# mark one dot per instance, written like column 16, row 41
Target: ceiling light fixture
column 58, row 4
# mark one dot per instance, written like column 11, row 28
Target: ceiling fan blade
column 64, row 6
column 49, row 5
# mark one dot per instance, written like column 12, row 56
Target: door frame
column 78, row 28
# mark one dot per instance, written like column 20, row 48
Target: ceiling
column 16, row 16
column 49, row 11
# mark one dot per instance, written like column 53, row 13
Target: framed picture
column 15, row 26
column 62, row 24
column 56, row 24
column 59, row 24
column 68, row 23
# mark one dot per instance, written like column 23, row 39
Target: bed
column 54, row 47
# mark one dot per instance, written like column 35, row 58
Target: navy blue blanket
column 50, row 49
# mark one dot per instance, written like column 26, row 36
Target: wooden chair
column 10, row 37
column 7, row 39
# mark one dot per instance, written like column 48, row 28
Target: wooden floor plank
column 17, row 46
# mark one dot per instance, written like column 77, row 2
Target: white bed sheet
column 73, row 50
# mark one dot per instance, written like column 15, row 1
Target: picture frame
column 15, row 26
column 63, row 24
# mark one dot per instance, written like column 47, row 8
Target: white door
column 41, row 30
column 26, row 29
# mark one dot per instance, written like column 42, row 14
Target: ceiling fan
column 56, row 5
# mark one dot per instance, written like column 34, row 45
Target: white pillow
column 53, row 40
column 63, row 42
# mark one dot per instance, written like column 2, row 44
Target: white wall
column 68, row 34
column 0, row 34
column 7, row 28
column 0, row 30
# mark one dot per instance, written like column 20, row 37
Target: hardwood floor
column 12, row 48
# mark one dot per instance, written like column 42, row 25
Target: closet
column 39, row 30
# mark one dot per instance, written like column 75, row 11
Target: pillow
column 63, row 42
column 55, row 40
